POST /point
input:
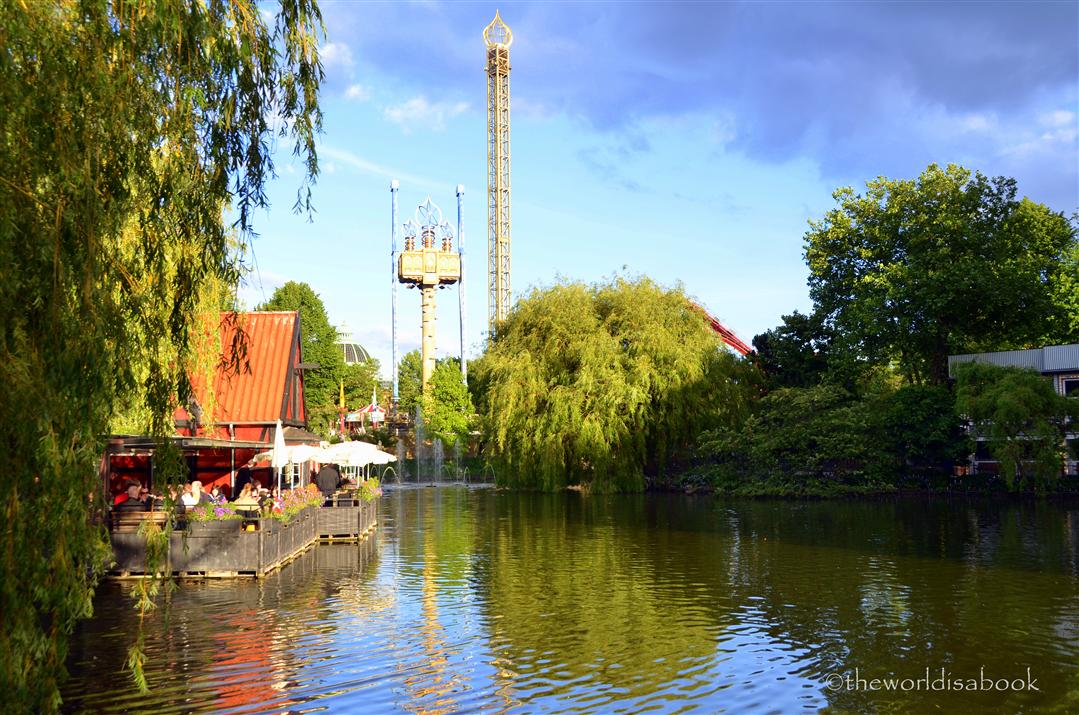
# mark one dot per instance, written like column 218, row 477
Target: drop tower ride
column 498, row 38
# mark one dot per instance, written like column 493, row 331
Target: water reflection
column 475, row 600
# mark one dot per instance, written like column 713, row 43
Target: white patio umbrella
column 297, row 453
column 279, row 456
column 355, row 454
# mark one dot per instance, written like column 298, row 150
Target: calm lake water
column 481, row 601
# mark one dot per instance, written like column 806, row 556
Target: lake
column 475, row 600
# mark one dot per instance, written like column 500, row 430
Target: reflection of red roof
column 272, row 388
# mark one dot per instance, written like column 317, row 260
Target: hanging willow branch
column 125, row 128
column 600, row 386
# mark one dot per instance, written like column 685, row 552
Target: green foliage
column 382, row 436
column 826, row 440
column 318, row 345
column 800, row 440
column 915, row 270
column 1064, row 326
column 600, row 385
column 125, row 130
column 447, row 406
column 369, row 490
column 1021, row 416
column 409, row 382
column 794, row 354
column 920, row 429
column 360, row 379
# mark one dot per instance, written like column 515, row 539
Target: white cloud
column 335, row 54
column 419, row 113
column 347, row 158
column 358, row 93
column 1059, row 118
column 1055, row 143
column 975, row 122
column 725, row 129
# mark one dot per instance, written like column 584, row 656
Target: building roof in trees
column 1050, row 359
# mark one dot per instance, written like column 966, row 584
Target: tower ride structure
column 429, row 265
column 498, row 38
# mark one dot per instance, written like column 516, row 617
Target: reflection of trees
column 577, row 590
column 664, row 588
column 900, row 585
column 890, row 586
column 430, row 686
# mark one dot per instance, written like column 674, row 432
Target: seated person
column 133, row 503
column 247, row 496
column 196, row 496
column 122, row 496
column 217, row 496
column 176, row 494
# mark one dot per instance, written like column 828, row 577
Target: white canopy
column 347, row 454
column 294, row 454
column 355, row 454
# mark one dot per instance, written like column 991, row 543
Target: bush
column 815, row 440
column 1022, row 418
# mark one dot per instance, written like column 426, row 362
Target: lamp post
column 461, row 287
column 394, row 185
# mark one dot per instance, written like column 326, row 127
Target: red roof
column 272, row 388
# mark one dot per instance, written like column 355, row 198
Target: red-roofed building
column 248, row 402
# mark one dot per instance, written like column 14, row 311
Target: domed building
column 354, row 353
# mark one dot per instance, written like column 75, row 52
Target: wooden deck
column 226, row 549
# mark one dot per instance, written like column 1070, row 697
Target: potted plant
column 213, row 518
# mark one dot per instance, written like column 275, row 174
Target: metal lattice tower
column 498, row 38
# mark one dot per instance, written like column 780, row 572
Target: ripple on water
column 478, row 601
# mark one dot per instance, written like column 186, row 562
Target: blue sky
column 690, row 142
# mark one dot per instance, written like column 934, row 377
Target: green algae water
column 473, row 600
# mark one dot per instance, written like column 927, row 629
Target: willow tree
column 600, row 385
column 126, row 127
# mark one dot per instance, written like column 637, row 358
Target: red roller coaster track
column 724, row 332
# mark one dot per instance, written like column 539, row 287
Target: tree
column 126, row 129
column 820, row 439
column 447, row 406
column 599, row 385
column 322, row 387
column 361, row 379
column 920, row 428
column 409, row 381
column 794, row 354
column 951, row 262
column 1022, row 418
column 1064, row 328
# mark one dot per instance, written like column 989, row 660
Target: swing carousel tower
column 428, row 262
column 498, row 38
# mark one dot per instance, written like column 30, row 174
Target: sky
column 687, row 142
